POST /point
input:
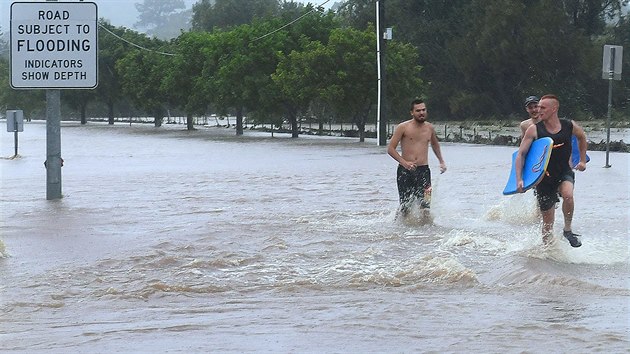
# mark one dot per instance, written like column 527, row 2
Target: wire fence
column 500, row 133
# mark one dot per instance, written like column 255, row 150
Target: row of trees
column 469, row 58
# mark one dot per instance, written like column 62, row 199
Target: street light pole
column 381, row 109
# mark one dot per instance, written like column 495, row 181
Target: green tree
column 141, row 77
column 208, row 14
column 32, row 102
column 184, row 80
column 314, row 26
column 4, row 46
column 79, row 101
column 238, row 68
column 429, row 26
column 114, row 44
column 356, row 76
column 354, row 92
column 357, row 13
column 620, row 35
column 163, row 18
column 300, row 78
column 590, row 16
column 342, row 74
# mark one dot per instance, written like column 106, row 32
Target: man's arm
column 526, row 142
column 582, row 145
column 435, row 146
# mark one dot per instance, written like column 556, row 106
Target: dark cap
column 531, row 99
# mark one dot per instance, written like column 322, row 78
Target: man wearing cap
column 560, row 178
column 531, row 106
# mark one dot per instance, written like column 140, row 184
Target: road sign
column 611, row 64
column 54, row 45
column 15, row 121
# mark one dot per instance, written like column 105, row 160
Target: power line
column 133, row 44
column 255, row 39
column 290, row 23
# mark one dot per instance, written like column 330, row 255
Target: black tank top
column 561, row 152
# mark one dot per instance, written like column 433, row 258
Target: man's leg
column 547, row 226
column 568, row 204
column 547, row 196
column 404, row 183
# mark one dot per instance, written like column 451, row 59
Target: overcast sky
column 118, row 12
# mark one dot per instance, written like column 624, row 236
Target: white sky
column 118, row 12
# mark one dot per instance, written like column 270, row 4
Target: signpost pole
column 53, row 144
column 610, row 82
column 15, row 132
column 611, row 74
column 611, row 70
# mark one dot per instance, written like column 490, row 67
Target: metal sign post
column 611, row 70
column 53, row 144
column 381, row 103
column 54, row 45
column 15, row 124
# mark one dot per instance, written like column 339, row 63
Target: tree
column 4, row 46
column 238, row 67
column 355, row 75
column 114, row 44
column 313, row 27
column 141, row 77
column 301, row 77
column 184, row 80
column 79, row 101
column 32, row 102
column 342, row 74
column 620, row 35
column 590, row 16
column 357, row 14
column 163, row 18
column 429, row 26
column 224, row 14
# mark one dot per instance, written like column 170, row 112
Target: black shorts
column 547, row 189
column 412, row 184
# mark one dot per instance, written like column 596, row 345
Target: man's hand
column 519, row 186
column 442, row 167
column 409, row 165
column 581, row 166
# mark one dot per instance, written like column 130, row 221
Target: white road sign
column 54, row 45
column 612, row 62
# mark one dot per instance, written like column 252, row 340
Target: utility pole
column 381, row 108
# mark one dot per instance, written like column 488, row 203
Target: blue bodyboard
column 534, row 167
column 575, row 152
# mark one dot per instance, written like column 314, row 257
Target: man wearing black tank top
column 559, row 179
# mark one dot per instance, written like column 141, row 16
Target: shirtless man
column 531, row 106
column 413, row 175
column 559, row 179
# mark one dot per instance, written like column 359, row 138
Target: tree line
column 280, row 61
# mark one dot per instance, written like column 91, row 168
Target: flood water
column 175, row 241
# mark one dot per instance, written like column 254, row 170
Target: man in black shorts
column 413, row 174
column 414, row 185
column 559, row 179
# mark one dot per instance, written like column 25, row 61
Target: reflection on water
column 562, row 312
column 167, row 239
